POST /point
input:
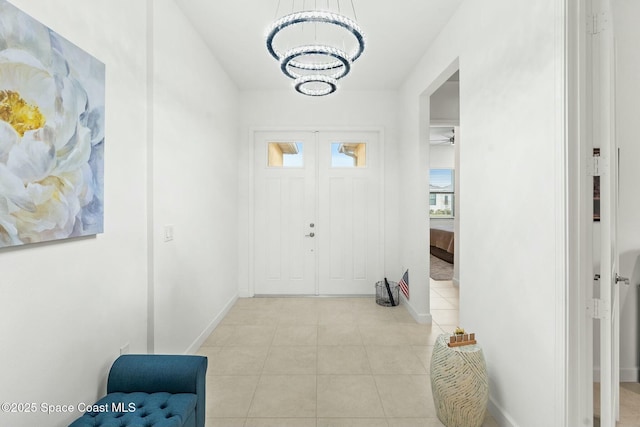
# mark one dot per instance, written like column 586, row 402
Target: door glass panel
column 285, row 155
column 348, row 154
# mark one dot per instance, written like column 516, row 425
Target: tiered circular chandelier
column 315, row 48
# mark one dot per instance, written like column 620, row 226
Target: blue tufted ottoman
column 151, row 391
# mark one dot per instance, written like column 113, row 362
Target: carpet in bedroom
column 440, row 270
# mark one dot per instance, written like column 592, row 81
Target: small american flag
column 404, row 284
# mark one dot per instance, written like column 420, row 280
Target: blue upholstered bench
column 145, row 390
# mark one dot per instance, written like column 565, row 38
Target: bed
column 441, row 240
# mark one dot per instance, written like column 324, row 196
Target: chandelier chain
column 277, row 10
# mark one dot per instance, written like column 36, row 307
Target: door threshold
column 313, row 296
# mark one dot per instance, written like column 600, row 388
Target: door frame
column 579, row 342
column 609, row 258
column 578, row 334
column 251, row 199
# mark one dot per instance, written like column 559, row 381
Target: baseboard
column 627, row 375
column 423, row 318
column 500, row 415
column 214, row 323
column 456, row 282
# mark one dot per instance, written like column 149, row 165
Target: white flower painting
column 51, row 134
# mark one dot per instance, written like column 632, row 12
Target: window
column 441, row 193
column 348, row 155
column 285, row 155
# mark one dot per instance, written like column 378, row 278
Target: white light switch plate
column 168, row 233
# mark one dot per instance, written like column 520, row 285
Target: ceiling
column 397, row 32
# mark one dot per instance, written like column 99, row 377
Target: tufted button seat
column 151, row 391
column 140, row 410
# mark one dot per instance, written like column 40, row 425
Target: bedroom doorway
column 444, row 204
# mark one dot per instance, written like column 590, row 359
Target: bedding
column 441, row 241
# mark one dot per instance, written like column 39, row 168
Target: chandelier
column 315, row 47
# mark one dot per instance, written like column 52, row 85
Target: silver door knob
column 310, row 235
column 625, row 280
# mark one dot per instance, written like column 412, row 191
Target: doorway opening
column 444, row 205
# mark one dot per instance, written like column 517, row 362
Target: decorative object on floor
column 439, row 269
column 459, row 384
column 151, row 390
column 391, row 298
column 52, row 100
column 310, row 45
column 460, row 338
column 404, row 284
column 387, row 293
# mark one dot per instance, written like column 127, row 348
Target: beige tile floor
column 324, row 362
column 629, row 405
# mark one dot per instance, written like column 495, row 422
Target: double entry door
column 317, row 213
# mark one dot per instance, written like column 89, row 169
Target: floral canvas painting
column 52, row 96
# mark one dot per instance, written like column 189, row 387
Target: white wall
column 195, row 184
column 445, row 103
column 510, row 55
column 67, row 307
column 342, row 110
column 442, row 157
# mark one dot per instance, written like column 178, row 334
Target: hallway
column 324, row 362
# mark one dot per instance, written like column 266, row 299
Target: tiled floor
column 320, row 362
column 629, row 405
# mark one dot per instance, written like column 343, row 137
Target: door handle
column 619, row 279
column 310, row 235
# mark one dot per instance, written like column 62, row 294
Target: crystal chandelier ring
column 331, row 85
column 292, row 54
column 309, row 47
column 320, row 17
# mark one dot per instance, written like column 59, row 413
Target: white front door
column 285, row 206
column 350, row 206
column 317, row 204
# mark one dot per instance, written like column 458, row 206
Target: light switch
column 168, row 233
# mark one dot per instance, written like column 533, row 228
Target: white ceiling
column 398, row 33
